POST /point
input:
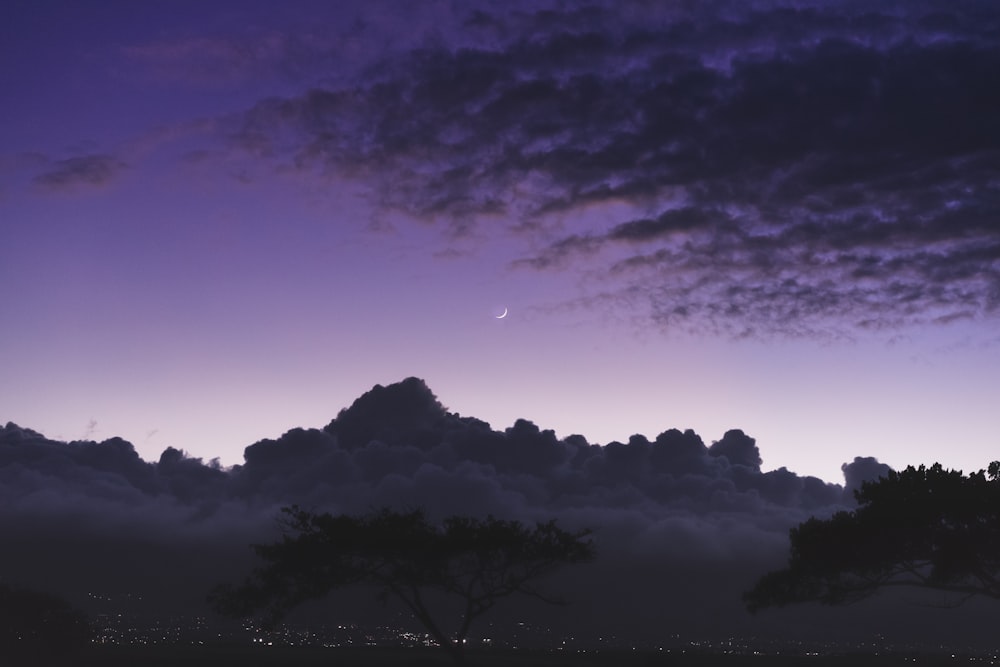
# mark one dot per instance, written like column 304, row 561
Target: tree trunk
column 416, row 605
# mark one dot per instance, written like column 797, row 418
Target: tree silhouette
column 922, row 527
column 404, row 556
column 34, row 625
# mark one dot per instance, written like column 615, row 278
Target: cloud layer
column 679, row 524
column 751, row 168
column 738, row 168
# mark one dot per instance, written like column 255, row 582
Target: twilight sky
column 220, row 221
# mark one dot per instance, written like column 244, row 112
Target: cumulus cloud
column 682, row 527
column 787, row 167
column 186, row 523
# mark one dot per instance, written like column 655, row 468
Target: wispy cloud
column 83, row 171
column 214, row 60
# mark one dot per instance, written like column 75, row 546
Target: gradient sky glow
column 219, row 221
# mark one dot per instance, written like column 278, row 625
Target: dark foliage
column 34, row 624
column 922, row 527
column 404, row 556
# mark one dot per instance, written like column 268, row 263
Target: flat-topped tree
column 923, row 527
column 406, row 557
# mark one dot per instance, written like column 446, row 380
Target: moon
column 500, row 317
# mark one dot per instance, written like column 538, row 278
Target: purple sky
column 219, row 221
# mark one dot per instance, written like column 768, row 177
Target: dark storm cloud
column 128, row 521
column 682, row 526
column 85, row 170
column 399, row 445
column 789, row 168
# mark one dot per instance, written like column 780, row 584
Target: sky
column 772, row 226
column 219, row 223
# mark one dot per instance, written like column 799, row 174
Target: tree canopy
column 35, row 624
column 404, row 556
column 923, row 527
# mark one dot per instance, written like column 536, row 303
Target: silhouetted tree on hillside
column 34, row 625
column 404, row 556
column 924, row 527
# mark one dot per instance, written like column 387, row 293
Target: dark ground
column 215, row 656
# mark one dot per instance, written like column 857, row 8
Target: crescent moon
column 500, row 317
